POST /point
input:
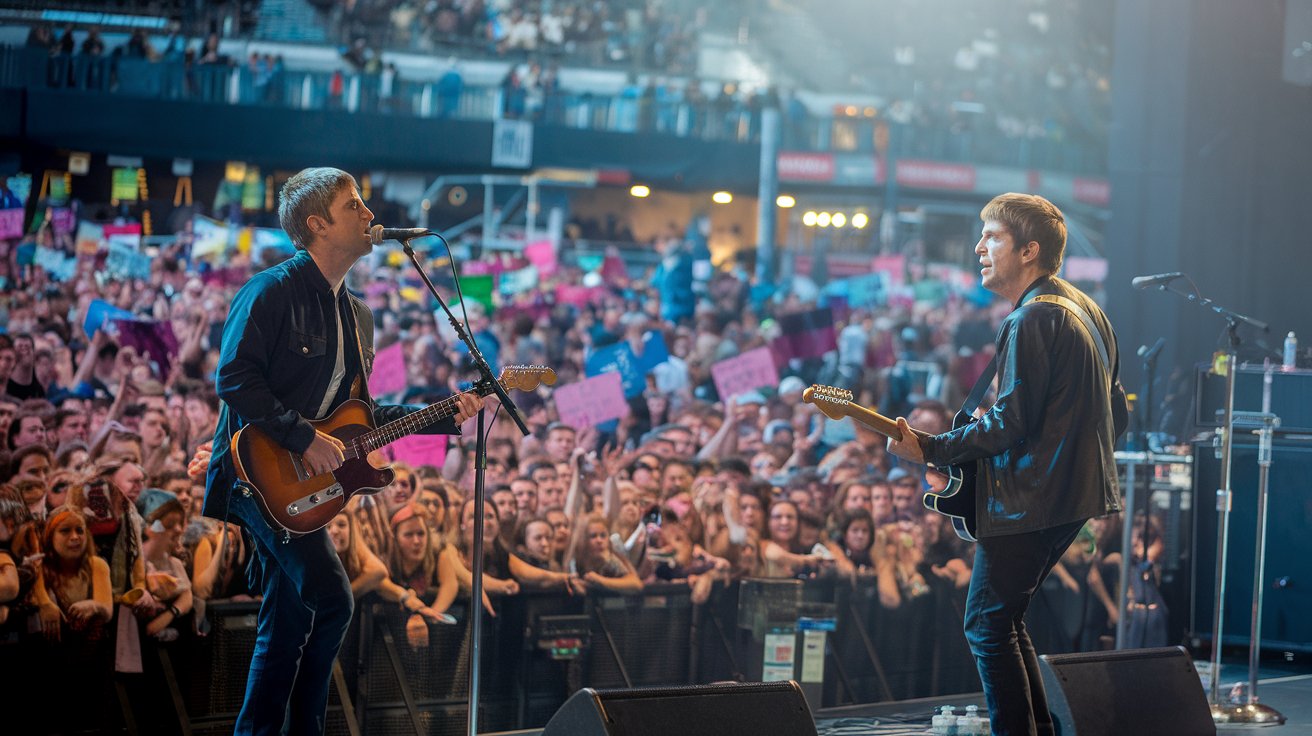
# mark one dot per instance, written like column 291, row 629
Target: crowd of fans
column 643, row 34
column 105, row 449
column 1037, row 71
column 988, row 102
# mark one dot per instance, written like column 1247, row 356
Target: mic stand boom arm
column 484, row 370
column 480, row 465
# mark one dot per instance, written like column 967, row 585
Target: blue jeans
column 1007, row 572
column 303, row 618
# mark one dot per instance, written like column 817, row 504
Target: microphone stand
column 1224, row 494
column 480, row 466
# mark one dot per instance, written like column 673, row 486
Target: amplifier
column 1291, row 396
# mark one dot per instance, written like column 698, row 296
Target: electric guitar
column 956, row 502
column 295, row 502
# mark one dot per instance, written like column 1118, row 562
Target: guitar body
column 295, row 502
column 957, row 501
column 292, row 500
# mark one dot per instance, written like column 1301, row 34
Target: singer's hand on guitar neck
column 907, row 448
column 324, row 455
column 469, row 403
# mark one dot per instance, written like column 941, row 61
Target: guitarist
column 295, row 346
column 1043, row 451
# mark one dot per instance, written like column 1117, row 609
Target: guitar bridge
column 307, row 503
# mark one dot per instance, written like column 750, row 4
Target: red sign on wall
column 802, row 166
column 935, row 175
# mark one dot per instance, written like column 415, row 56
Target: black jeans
column 303, row 618
column 1007, row 572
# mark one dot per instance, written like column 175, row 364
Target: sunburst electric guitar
column 297, row 502
column 956, row 501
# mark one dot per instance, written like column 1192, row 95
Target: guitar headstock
column 526, row 377
column 831, row 401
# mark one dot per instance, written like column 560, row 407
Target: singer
column 295, row 346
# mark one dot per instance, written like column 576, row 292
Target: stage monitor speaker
column 733, row 709
column 1287, row 577
column 1131, row 692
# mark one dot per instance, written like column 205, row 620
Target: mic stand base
column 1251, row 714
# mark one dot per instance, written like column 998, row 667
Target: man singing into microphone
column 295, row 346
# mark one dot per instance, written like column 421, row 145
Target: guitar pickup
column 306, row 503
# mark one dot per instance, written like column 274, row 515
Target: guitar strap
column 976, row 395
column 359, row 385
column 1089, row 327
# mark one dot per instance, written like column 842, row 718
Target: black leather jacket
column 276, row 362
column 1045, row 447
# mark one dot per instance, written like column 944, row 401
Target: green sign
column 124, row 188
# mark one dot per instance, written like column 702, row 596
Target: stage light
column 822, row 219
column 839, row 219
column 722, row 198
column 784, row 201
column 860, row 220
column 640, row 190
column 809, row 219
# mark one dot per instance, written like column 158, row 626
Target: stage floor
column 1288, row 690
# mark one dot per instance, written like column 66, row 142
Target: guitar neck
column 411, row 423
column 874, row 420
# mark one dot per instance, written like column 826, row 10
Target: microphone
column 1150, row 353
column 1161, row 279
column 378, row 233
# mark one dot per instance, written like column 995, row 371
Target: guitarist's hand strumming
column 324, row 455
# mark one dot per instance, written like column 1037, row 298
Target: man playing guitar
column 297, row 345
column 1043, row 452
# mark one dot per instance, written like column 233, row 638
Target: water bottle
column 945, row 723
column 963, row 726
column 1291, row 351
column 936, row 726
column 978, row 725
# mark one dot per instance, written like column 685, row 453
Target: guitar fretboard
column 406, row 425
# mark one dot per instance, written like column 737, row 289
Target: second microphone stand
column 480, row 466
column 1224, row 495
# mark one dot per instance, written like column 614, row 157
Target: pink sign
column 1080, row 268
column 742, row 373
column 418, row 449
column 389, row 375
column 592, row 401
column 62, row 220
column 894, row 266
column 130, row 228
column 11, row 223
column 543, row 255
column 578, row 295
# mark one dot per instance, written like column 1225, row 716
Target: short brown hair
column 1029, row 217
column 309, row 192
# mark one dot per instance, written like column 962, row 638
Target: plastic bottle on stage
column 1291, row 351
column 944, row 723
column 979, row 726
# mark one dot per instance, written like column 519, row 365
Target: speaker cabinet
column 734, row 709
column 1287, row 578
column 1131, row 692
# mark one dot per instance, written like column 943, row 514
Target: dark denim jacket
column 276, row 361
column 1045, row 447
